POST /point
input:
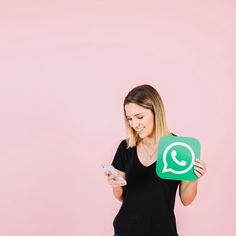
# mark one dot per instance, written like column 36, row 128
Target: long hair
column 147, row 97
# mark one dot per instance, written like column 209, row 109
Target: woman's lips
column 139, row 130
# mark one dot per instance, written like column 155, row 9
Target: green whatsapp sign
column 176, row 156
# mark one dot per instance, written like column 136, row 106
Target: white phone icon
column 180, row 163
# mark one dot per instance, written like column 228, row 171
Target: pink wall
column 65, row 69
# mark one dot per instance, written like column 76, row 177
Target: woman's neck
column 148, row 141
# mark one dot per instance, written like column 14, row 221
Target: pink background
column 65, row 69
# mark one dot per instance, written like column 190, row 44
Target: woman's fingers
column 198, row 171
column 114, row 184
column 199, row 168
column 113, row 181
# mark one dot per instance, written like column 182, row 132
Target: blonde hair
column 147, row 97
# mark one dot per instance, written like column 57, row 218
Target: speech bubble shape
column 178, row 162
column 176, row 156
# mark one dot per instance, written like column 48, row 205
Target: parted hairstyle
column 147, row 97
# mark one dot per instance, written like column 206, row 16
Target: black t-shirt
column 148, row 206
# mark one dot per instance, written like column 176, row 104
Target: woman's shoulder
column 124, row 143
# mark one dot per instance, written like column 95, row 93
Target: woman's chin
column 141, row 135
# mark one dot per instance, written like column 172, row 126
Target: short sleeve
column 119, row 158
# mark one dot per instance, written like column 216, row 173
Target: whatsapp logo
column 178, row 166
column 176, row 156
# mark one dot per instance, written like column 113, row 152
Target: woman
column 147, row 200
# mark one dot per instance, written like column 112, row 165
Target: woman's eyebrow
column 135, row 114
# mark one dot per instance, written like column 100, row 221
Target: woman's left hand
column 199, row 168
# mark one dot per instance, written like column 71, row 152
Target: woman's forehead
column 132, row 109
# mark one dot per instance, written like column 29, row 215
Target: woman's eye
column 140, row 118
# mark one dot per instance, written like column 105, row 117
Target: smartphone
column 113, row 171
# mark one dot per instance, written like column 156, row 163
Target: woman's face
column 140, row 119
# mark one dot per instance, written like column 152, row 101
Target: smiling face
column 140, row 119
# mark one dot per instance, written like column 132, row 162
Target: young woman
column 147, row 201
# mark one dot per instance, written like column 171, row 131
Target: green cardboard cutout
column 176, row 156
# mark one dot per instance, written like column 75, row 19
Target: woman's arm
column 188, row 190
column 117, row 187
column 118, row 193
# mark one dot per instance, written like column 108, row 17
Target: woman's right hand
column 115, row 180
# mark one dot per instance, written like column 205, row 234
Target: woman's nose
column 136, row 125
